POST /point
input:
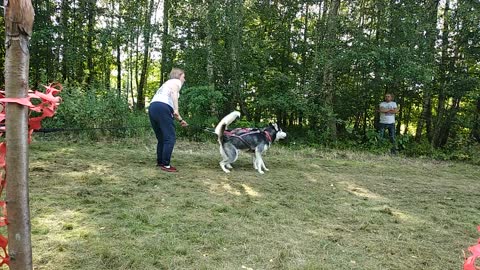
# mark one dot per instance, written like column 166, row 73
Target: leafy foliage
column 97, row 115
column 201, row 106
column 317, row 68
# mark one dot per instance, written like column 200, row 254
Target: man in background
column 388, row 109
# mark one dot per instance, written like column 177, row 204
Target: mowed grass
column 106, row 206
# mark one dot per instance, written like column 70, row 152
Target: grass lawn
column 106, row 206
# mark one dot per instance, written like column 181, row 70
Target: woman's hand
column 176, row 114
column 183, row 123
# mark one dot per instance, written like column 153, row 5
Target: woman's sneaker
column 169, row 169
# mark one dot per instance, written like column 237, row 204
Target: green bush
column 96, row 115
column 100, row 114
column 466, row 151
column 200, row 106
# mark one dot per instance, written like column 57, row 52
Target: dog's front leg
column 254, row 162
column 263, row 166
column 258, row 161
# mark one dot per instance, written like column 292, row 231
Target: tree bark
column 210, row 42
column 305, row 49
column 146, row 58
column 64, row 39
column 235, row 54
column 328, row 78
column 19, row 16
column 425, row 119
column 442, row 98
column 476, row 122
column 163, row 65
column 91, row 12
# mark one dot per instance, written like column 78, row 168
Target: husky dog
column 253, row 140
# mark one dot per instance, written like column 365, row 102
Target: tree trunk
column 64, row 39
column 106, row 64
column 235, row 54
column 305, row 48
column 476, row 122
column 163, row 66
column 19, row 16
column 449, row 122
column 91, row 12
column 425, row 117
column 137, row 56
column 146, row 57
column 119, row 69
column 442, row 98
column 50, row 70
column 210, row 42
column 130, row 71
column 328, row 78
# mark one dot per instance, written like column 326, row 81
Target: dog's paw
column 261, row 172
column 225, row 169
column 229, row 166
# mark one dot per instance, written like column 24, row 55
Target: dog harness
column 241, row 132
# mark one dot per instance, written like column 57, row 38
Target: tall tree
column 476, row 121
column 234, row 41
column 19, row 16
column 165, row 41
column 425, row 119
column 64, row 39
column 325, row 63
column 118, row 44
column 90, row 8
column 146, row 56
column 442, row 84
column 328, row 72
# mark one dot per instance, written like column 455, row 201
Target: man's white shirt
column 387, row 118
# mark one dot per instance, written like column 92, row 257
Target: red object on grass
column 469, row 263
column 3, row 244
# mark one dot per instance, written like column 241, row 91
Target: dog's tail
column 222, row 125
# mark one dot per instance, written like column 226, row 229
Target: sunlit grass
column 106, row 206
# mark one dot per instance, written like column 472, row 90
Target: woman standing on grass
column 162, row 111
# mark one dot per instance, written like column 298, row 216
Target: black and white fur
column 256, row 141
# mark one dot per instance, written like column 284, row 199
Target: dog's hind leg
column 224, row 162
column 261, row 163
column 229, row 154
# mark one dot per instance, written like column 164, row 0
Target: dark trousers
column 161, row 118
column 391, row 131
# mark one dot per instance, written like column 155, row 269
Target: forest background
column 318, row 68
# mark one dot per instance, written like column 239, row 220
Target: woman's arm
column 174, row 93
column 176, row 112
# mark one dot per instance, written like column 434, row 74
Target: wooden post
column 19, row 16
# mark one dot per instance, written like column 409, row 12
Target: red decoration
column 47, row 105
column 470, row 261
